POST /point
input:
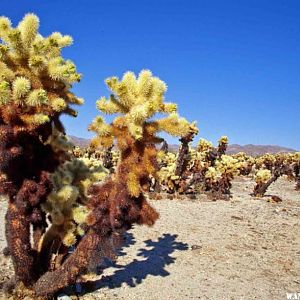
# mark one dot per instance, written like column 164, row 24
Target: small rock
column 196, row 247
column 63, row 297
column 276, row 199
column 237, row 218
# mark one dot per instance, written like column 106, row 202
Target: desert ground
column 241, row 249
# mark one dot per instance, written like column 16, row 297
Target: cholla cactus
column 228, row 165
column 212, row 176
column 204, row 145
column 66, row 204
column 35, row 80
column 263, row 179
column 218, row 178
column 77, row 152
column 245, row 163
column 277, row 165
column 108, row 159
column 35, row 84
column 222, row 145
column 262, row 176
column 183, row 156
column 266, row 161
column 137, row 99
column 296, row 169
column 119, row 202
column 166, row 174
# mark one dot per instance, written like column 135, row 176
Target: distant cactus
column 183, row 156
column 275, row 166
column 108, row 158
column 222, row 145
column 296, row 167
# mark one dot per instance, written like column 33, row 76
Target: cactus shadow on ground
column 157, row 256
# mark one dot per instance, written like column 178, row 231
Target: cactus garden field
column 126, row 217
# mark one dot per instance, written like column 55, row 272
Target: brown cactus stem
column 212, row 156
column 38, row 220
column 183, row 156
column 75, row 264
column 107, row 159
column 114, row 212
column 260, row 189
column 297, row 187
column 23, row 210
column 297, row 176
column 38, row 232
column 245, row 171
column 221, row 189
column 279, row 169
column 222, row 147
column 164, row 147
column 49, row 250
column 18, row 240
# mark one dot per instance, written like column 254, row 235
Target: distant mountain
column 253, row 150
column 80, row 142
column 249, row 149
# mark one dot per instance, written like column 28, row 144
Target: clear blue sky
column 234, row 66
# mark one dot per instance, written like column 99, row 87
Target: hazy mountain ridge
column 80, row 142
column 249, row 149
column 255, row 150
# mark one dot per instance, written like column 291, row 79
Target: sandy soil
column 240, row 249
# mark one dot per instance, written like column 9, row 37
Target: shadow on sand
column 155, row 257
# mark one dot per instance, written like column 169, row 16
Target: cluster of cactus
column 245, row 163
column 167, row 179
column 204, row 169
column 212, row 170
column 270, row 167
column 65, row 211
column 207, row 169
column 218, row 177
column 94, row 157
column 296, row 169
